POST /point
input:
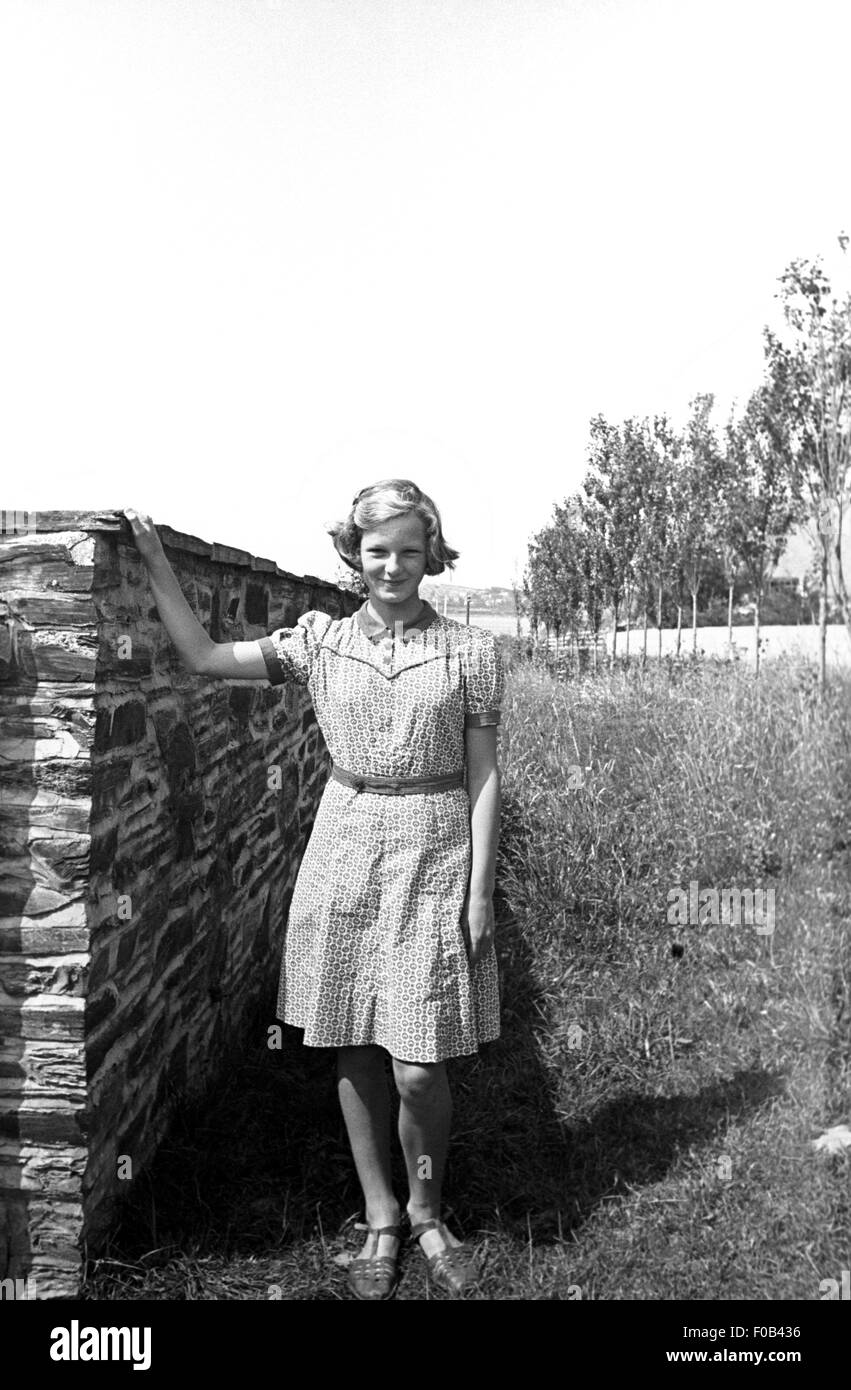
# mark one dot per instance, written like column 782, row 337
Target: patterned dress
column 374, row 951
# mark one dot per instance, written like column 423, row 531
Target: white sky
column 257, row 254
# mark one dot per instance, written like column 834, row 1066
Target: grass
column 643, row 1128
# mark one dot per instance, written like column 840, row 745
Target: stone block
column 46, row 655
column 241, row 702
column 42, row 940
column 55, row 609
column 22, row 978
column 257, row 605
column 122, row 727
column 57, row 1019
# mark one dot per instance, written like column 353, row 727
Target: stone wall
column 151, row 826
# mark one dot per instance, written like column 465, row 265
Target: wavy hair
column 385, row 501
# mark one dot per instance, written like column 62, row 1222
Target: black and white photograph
column 425, row 671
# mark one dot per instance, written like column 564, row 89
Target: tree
column 767, row 505
column 552, row 581
column 696, row 476
column 811, row 371
column 539, row 582
column 633, row 465
column 611, row 487
column 656, row 545
column 728, row 509
column 596, row 562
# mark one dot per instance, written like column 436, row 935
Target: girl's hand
column 145, row 534
column 477, row 925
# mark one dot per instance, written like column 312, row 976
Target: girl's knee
column 417, row 1081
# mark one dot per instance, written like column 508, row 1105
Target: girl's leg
column 425, row 1114
column 365, row 1102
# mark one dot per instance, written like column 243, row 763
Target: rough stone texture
column 148, row 861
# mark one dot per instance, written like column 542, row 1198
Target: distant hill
column 490, row 600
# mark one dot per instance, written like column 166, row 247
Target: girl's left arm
column 483, row 789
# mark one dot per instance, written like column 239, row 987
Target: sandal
column 452, row 1268
column 373, row 1277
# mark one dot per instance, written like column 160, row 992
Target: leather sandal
column 452, row 1268
column 373, row 1277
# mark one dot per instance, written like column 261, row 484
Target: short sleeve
column 484, row 682
column 289, row 652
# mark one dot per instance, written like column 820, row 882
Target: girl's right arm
column 196, row 648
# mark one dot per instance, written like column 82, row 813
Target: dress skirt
column 374, row 949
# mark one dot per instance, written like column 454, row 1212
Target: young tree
column 696, row 476
column 633, row 467
column 553, row 582
column 610, row 486
column 539, row 583
column 596, row 564
column 656, row 546
column 581, row 566
column 767, row 505
column 728, row 509
column 811, row 368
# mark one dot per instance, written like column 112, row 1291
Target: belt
column 398, row 786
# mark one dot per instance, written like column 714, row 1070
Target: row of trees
column 659, row 506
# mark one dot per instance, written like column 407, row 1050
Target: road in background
column 797, row 643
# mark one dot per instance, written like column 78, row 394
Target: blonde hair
column 384, row 501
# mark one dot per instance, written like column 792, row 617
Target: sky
column 257, row 254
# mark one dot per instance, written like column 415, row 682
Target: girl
column 389, row 941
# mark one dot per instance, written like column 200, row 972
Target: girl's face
column 393, row 556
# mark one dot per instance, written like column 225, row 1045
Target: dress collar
column 374, row 628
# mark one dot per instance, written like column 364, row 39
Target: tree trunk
column 659, row 616
column 626, row 643
column 756, row 608
column 644, row 650
column 730, row 616
column 615, row 633
column 822, row 622
column 694, row 622
column 839, row 581
column 679, row 625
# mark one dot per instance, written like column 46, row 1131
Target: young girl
column 389, row 942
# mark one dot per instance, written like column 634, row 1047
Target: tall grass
column 712, row 1042
column 687, row 772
